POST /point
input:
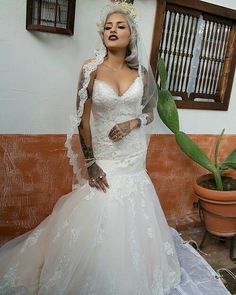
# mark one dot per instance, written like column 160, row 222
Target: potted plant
column 216, row 191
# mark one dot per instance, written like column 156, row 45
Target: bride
column 109, row 235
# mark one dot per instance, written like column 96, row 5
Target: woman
column 109, row 235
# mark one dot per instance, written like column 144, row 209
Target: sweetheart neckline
column 112, row 88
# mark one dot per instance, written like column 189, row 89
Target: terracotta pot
column 218, row 208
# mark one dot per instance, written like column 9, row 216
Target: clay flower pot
column 218, row 208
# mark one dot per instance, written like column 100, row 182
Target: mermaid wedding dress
column 115, row 243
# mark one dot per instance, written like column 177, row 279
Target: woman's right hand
column 97, row 177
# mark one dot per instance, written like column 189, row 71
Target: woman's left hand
column 122, row 129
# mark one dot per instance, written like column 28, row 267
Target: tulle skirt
column 116, row 242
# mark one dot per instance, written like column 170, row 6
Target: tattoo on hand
column 120, row 130
column 125, row 127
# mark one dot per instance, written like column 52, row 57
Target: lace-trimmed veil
column 137, row 59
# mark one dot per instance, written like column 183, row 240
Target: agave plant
column 168, row 113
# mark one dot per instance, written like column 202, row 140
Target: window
column 197, row 40
column 54, row 16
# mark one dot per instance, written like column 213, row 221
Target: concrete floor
column 216, row 254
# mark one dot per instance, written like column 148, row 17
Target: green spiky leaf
column 158, row 88
column 162, row 72
column 217, row 146
column 230, row 161
column 167, row 110
column 193, row 151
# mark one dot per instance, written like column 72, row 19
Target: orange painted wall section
column 35, row 172
column 172, row 173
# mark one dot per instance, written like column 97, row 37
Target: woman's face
column 116, row 32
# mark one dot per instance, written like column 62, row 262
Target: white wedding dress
column 113, row 243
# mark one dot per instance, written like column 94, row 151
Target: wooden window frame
column 227, row 77
column 69, row 30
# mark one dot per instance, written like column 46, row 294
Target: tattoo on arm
column 149, row 111
column 139, row 122
column 87, row 150
column 86, row 141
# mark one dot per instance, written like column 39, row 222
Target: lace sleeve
column 147, row 113
column 84, row 126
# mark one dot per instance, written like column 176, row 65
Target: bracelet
column 143, row 119
column 90, row 162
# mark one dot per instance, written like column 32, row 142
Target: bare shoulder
column 134, row 72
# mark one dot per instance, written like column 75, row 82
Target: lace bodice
column 109, row 108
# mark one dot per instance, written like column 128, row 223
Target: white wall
column 39, row 71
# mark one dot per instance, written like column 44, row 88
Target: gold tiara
column 128, row 7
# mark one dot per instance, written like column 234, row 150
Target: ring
column 92, row 182
column 99, row 178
